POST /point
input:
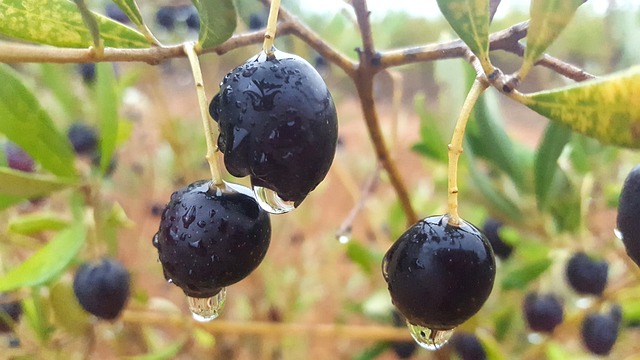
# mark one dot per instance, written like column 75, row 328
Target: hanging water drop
column 207, row 309
column 344, row 238
column 618, row 234
column 429, row 339
column 270, row 202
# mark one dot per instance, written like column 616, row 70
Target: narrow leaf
column 470, row 20
column 364, row 257
column 27, row 124
column 546, row 167
column 48, row 262
column 217, row 21
column 130, row 8
column 59, row 23
column 523, row 275
column 107, row 112
column 431, row 142
column 7, row 201
column 29, row 185
column 548, row 19
column 606, row 109
column 33, row 223
column 57, row 80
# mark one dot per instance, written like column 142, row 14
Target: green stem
column 211, row 133
column 270, row 34
column 91, row 23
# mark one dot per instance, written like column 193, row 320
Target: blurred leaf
column 8, row 201
column 503, row 322
column 521, row 276
column 555, row 351
column 67, row 311
column 37, row 315
column 29, row 185
column 130, row 8
column 490, row 345
column 548, row 19
column 431, row 142
column 546, row 167
column 167, row 352
column 365, row 258
column 217, row 21
column 59, row 23
column 470, row 20
column 107, row 103
column 373, row 351
column 27, row 124
column 377, row 306
column 48, row 262
column 566, row 204
column 57, row 80
column 33, row 223
column 605, row 109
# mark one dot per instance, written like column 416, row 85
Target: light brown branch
column 362, row 16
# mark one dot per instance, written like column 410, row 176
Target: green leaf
column 431, row 142
column 546, row 167
column 130, row 8
column 68, row 313
column 29, row 185
column 27, row 124
column 7, row 201
column 48, row 262
column 548, row 19
column 364, row 257
column 217, row 21
column 470, row 20
column 606, row 109
column 33, row 223
column 107, row 112
column 59, row 23
column 523, row 275
column 57, row 79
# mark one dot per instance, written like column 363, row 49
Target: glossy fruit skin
column 543, row 312
column 18, row 159
column 628, row 220
column 439, row 275
column 585, row 275
column 467, row 346
column 9, row 310
column 491, row 229
column 600, row 331
column 278, row 124
column 102, row 288
column 210, row 239
column 83, row 138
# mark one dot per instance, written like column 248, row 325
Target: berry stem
column 211, row 133
column 272, row 22
column 455, row 148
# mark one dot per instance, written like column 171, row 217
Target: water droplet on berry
column 618, row 234
column 207, row 309
column 189, row 217
column 155, row 241
column 270, row 202
column 429, row 339
column 344, row 238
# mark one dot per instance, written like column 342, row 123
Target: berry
column 256, row 22
column 628, row 221
column 166, row 17
column 600, row 331
column 543, row 312
column 468, row 346
column 10, row 313
column 587, row 276
column 491, row 229
column 102, row 288
column 18, row 159
column 403, row 349
column 278, row 124
column 83, row 138
column 211, row 238
column 114, row 12
column 438, row 274
column 88, row 72
column 193, row 19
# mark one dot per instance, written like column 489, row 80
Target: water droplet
column 189, row 217
column 155, row 241
column 202, row 224
column 170, row 281
column 270, row 201
column 249, row 71
column 199, row 247
column 385, row 268
column 207, row 309
column 535, row 338
column 429, row 339
column 344, row 238
column 618, row 234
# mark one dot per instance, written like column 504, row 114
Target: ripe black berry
column 193, row 20
column 543, row 312
column 83, row 138
column 211, row 238
column 102, row 288
column 256, row 22
column 10, row 312
column 439, row 275
column 628, row 221
column 17, row 158
column 468, row 346
column 278, row 124
column 403, row 349
column 491, row 229
column 114, row 12
column 600, row 331
column 166, row 17
column 585, row 275
column 88, row 72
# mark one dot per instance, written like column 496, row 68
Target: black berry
column 628, row 220
column 17, row 158
column 166, row 17
column 491, row 229
column 10, row 312
column 467, row 346
column 438, row 274
column 256, row 22
column 193, row 19
column 88, row 72
column 278, row 124
column 543, row 312
column 585, row 275
column 600, row 331
column 114, row 12
column 403, row 349
column 102, row 288
column 83, row 138
column 211, row 238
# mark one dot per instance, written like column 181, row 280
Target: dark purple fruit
column 193, row 19
column 10, row 312
column 88, row 72
column 278, row 124
column 83, row 138
column 403, row 349
column 491, row 229
column 211, row 238
column 439, row 275
column 543, row 312
column 114, row 12
column 18, row 159
column 102, row 288
column 166, row 17
column 585, row 275
column 600, row 331
column 256, row 22
column 628, row 221
column 467, row 346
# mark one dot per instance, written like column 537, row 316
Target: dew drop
column 385, row 268
column 202, row 224
column 170, row 281
column 344, row 238
column 618, row 234
column 429, row 339
column 189, row 217
column 207, row 309
column 270, row 202
column 155, row 241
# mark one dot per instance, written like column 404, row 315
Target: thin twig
column 270, row 33
column 369, row 187
column 362, row 16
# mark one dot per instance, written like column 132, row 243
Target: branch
column 362, row 15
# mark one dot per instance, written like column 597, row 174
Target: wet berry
column 102, row 288
column 211, row 238
column 10, row 312
column 467, row 346
column 543, row 312
column 403, row 349
column 17, row 158
column 628, row 221
column 439, row 275
column 491, row 229
column 600, row 331
column 166, row 17
column 278, row 124
column 585, row 275
column 114, row 12
column 83, row 139
column 88, row 72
